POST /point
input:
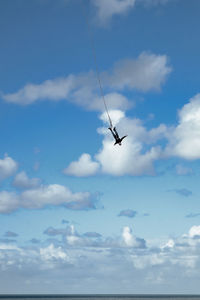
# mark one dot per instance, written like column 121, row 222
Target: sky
column 78, row 214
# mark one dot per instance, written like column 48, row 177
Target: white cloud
column 127, row 236
column 51, row 253
column 83, row 167
column 137, row 154
column 194, row 231
column 185, row 141
column 44, row 195
column 21, row 180
column 107, row 9
column 7, row 167
column 145, row 73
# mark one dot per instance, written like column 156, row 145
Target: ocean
column 99, row 297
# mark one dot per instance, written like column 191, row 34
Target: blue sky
column 78, row 214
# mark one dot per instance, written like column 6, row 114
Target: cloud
column 120, row 263
column 52, row 253
column 46, row 195
column 194, row 232
column 143, row 147
column 53, row 232
column 7, row 167
column 10, row 234
column 192, row 215
column 128, row 213
column 136, row 155
column 185, row 142
column 130, row 240
column 21, row 180
column 183, row 192
column 83, row 167
column 145, row 73
column 92, row 234
column 107, row 9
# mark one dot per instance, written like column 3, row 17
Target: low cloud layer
column 127, row 258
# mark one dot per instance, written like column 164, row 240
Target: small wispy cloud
column 183, row 192
column 9, row 234
column 128, row 213
column 192, row 215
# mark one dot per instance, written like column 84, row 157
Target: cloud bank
column 121, row 263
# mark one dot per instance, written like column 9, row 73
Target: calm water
column 100, row 297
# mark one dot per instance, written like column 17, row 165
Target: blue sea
column 99, row 297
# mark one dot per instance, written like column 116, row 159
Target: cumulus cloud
column 21, row 180
column 83, row 167
column 51, row 253
column 194, row 232
column 185, row 141
column 8, row 167
column 145, row 73
column 46, row 195
column 130, row 240
column 138, row 152
column 143, row 147
column 128, row 213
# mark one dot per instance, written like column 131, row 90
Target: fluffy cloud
column 83, row 167
column 130, row 240
column 128, row 213
column 45, row 195
column 138, row 152
column 52, row 253
column 185, row 141
column 7, row 167
column 194, row 232
column 21, row 180
column 145, row 73
column 143, row 147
